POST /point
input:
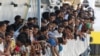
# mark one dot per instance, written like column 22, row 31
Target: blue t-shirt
column 52, row 41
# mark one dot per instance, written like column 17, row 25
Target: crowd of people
column 57, row 28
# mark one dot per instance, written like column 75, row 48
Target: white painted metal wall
column 8, row 12
column 47, row 3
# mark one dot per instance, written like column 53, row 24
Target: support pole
column 39, row 12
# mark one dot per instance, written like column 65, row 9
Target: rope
column 25, row 17
column 16, row 33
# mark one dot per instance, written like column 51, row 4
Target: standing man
column 3, row 27
column 3, row 51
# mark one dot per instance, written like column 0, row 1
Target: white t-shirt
column 2, row 47
column 66, row 17
column 31, row 38
column 55, row 34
